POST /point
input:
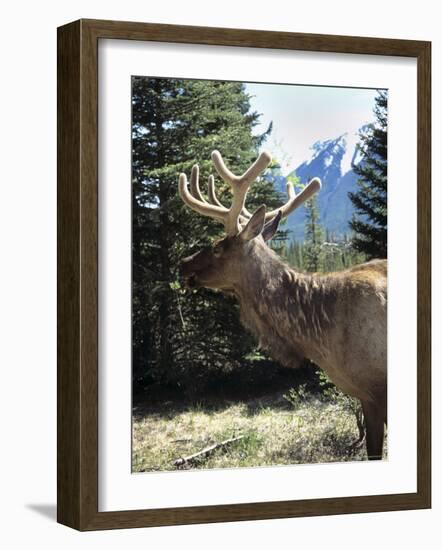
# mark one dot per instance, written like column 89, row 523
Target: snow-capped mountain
column 331, row 161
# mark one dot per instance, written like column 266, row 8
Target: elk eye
column 217, row 250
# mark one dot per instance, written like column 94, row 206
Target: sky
column 302, row 115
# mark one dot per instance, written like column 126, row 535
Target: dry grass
column 275, row 432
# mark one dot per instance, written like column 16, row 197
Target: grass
column 275, row 430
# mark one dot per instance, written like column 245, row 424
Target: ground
column 277, row 429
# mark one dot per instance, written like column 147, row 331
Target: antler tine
column 249, row 175
column 257, row 168
column 211, row 192
column 239, row 185
column 290, row 190
column 213, row 211
column 295, row 200
column 194, row 184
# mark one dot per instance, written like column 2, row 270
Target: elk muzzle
column 193, row 267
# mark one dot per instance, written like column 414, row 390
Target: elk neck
column 291, row 313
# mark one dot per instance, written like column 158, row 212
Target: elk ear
column 271, row 227
column 255, row 225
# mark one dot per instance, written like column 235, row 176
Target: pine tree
column 313, row 237
column 370, row 201
column 273, row 176
column 178, row 336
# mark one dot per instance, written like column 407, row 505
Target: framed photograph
column 230, row 346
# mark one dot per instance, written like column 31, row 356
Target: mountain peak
column 331, row 161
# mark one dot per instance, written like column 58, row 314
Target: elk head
column 219, row 266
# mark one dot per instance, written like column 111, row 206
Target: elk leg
column 361, row 429
column 374, row 422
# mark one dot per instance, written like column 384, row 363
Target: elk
column 338, row 320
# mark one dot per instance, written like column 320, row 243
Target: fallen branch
column 205, row 452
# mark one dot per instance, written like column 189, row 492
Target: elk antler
column 231, row 217
column 234, row 217
column 295, row 200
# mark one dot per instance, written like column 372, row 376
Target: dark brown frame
column 77, row 462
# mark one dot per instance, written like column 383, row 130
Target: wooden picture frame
column 77, row 462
